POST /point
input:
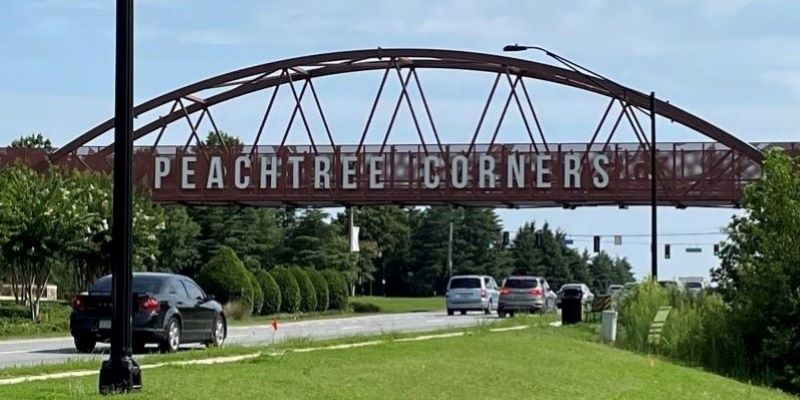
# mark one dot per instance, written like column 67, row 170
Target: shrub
column 258, row 294
column 337, row 288
column 290, row 290
column 365, row 307
column 308, row 296
column 226, row 278
column 320, row 288
column 272, row 293
column 236, row 310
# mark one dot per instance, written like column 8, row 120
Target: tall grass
column 700, row 330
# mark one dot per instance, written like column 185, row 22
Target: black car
column 168, row 310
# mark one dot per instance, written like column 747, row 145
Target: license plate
column 104, row 324
column 465, row 295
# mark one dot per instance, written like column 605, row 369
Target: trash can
column 571, row 307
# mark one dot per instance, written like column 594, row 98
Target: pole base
column 120, row 376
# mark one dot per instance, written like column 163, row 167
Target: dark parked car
column 168, row 310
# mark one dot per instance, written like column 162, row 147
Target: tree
column 308, row 295
column 289, row 289
column 177, row 243
column 223, row 140
column 226, row 278
column 92, row 257
column 32, row 141
column 602, row 269
column 249, row 231
column 320, row 288
column 760, row 275
column 42, row 217
column 337, row 288
column 312, row 241
column 272, row 293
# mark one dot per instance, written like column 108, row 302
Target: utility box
column 609, row 326
column 571, row 306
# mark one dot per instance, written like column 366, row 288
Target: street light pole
column 653, row 202
column 120, row 373
column 450, row 252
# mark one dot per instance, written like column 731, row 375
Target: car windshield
column 465, row 283
column 521, row 283
column 571, row 287
column 141, row 284
column 694, row 285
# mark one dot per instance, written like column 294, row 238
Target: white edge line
column 232, row 359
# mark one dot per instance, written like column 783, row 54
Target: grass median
column 538, row 362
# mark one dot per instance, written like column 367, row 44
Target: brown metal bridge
column 605, row 169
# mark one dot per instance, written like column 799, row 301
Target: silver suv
column 471, row 293
column 526, row 294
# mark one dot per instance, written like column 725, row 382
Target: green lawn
column 402, row 304
column 535, row 363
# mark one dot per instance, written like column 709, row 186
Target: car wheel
column 450, row 312
column 501, row 313
column 219, row 332
column 511, row 314
column 84, row 344
column 463, row 312
column 173, row 337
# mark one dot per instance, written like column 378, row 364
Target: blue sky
column 733, row 62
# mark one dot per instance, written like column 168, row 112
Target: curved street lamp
column 598, row 80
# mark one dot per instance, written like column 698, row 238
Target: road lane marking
column 510, row 328
column 428, row 337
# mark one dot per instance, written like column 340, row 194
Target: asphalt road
column 52, row 350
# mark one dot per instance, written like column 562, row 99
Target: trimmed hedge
column 290, row 290
column 320, row 288
column 227, row 279
column 258, row 295
column 337, row 288
column 360, row 308
column 271, row 291
column 308, row 296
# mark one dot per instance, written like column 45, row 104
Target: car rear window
column 465, row 283
column 141, row 284
column 521, row 283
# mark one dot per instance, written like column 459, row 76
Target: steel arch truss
column 708, row 173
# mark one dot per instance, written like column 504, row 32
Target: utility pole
column 450, row 252
column 120, row 373
column 653, row 200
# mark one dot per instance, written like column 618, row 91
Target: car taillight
column 537, row 291
column 504, row 291
column 77, row 304
column 148, row 304
column 483, row 292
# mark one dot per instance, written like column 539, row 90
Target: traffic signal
column 597, row 244
column 666, row 251
column 506, row 239
column 538, row 239
column 716, row 249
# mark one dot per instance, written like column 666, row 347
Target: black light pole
column 653, row 202
column 599, row 80
column 120, row 373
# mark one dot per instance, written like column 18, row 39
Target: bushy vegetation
column 15, row 319
column 362, row 308
column 227, row 279
column 272, row 293
column 258, row 294
column 320, row 288
column 308, row 296
column 337, row 288
column 289, row 289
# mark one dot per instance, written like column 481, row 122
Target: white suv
column 471, row 293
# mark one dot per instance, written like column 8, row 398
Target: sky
column 732, row 62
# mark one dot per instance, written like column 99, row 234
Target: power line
column 578, row 235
